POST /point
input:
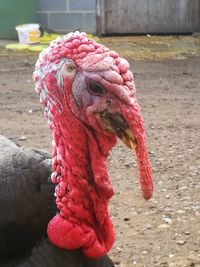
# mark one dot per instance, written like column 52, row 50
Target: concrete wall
column 67, row 15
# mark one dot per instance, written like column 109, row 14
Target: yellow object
column 34, row 36
column 17, row 46
column 37, row 48
column 34, row 48
column 48, row 37
column 91, row 36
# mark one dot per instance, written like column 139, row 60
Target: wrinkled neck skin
column 83, row 187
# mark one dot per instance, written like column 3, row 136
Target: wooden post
column 100, row 17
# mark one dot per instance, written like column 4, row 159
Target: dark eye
column 95, row 88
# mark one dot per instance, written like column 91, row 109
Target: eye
column 95, row 88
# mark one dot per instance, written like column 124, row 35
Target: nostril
column 108, row 102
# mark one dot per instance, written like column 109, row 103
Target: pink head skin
column 88, row 95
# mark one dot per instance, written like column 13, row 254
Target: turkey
column 88, row 96
column 27, row 204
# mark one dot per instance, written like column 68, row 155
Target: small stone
column 144, row 252
column 119, row 249
column 187, row 233
column 152, row 206
column 183, row 188
column 22, row 138
column 148, row 226
column 127, row 165
column 180, row 211
column 126, row 219
column 163, row 189
column 167, row 219
column 163, row 226
column 180, row 242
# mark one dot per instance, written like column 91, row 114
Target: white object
column 28, row 33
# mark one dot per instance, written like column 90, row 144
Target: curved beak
column 128, row 126
column 117, row 124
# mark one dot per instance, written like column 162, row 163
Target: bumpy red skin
column 79, row 152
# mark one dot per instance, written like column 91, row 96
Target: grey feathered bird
column 27, row 204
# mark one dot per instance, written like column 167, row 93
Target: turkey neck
column 83, row 188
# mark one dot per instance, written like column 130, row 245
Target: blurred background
column 102, row 16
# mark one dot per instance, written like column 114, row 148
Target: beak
column 117, row 124
column 128, row 126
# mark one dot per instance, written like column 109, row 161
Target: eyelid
column 95, row 88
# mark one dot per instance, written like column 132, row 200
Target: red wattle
column 83, row 189
column 65, row 234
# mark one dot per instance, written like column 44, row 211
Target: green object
column 13, row 13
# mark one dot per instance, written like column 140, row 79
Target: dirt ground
column 164, row 231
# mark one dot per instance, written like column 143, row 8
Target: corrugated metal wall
column 148, row 16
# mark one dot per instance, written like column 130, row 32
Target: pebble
column 148, row 226
column 144, row 252
column 180, row 242
column 22, row 138
column 152, row 206
column 180, row 211
column 119, row 249
column 126, row 219
column 163, row 226
column 187, row 233
column 169, row 209
column 183, row 188
column 167, row 219
column 163, row 190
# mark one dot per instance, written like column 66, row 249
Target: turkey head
column 88, row 95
